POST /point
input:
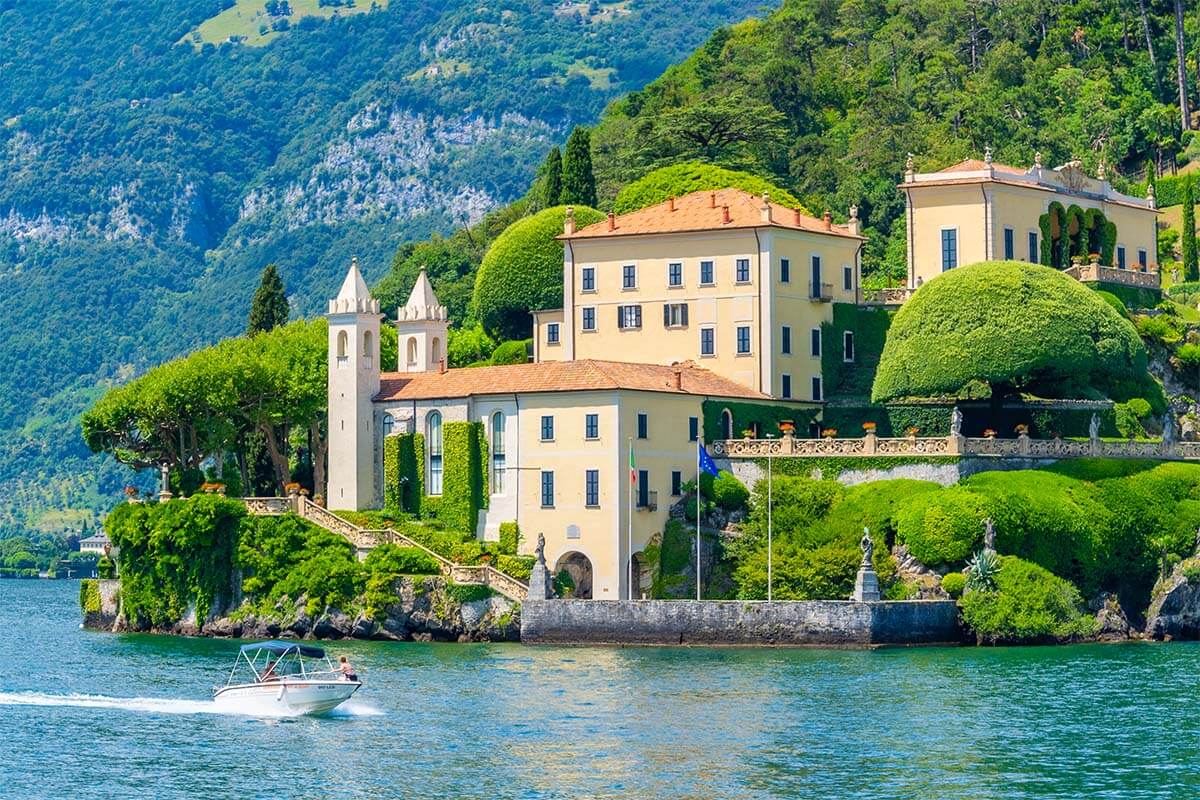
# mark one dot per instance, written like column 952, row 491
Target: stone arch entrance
column 643, row 577
column 579, row 567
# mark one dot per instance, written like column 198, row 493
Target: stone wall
column 688, row 622
column 749, row 472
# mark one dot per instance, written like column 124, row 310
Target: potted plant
column 989, row 433
column 912, row 431
column 131, row 491
column 787, row 427
column 829, row 433
column 1022, row 429
column 869, row 427
column 748, row 433
column 292, row 489
column 1094, row 258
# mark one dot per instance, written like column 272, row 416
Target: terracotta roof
column 704, row 211
column 560, row 376
column 974, row 165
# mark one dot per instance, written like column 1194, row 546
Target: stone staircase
column 364, row 539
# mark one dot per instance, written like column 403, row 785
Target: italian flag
column 632, row 465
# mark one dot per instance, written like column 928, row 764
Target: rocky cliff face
column 1174, row 611
column 423, row 609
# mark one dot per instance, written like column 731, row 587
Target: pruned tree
column 269, row 308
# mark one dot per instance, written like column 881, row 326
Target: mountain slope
column 145, row 179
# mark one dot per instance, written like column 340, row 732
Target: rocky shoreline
column 424, row 609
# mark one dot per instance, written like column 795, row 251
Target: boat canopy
column 283, row 648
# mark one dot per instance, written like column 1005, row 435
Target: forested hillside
column 146, row 177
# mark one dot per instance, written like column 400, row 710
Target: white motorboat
column 284, row 679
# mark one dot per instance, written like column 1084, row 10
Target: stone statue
column 1168, row 428
column 989, row 535
column 956, row 420
column 1094, row 427
column 540, row 551
column 541, row 586
column 164, row 474
column 1174, row 275
column 868, row 547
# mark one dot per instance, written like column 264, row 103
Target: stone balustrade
column 365, row 539
column 1143, row 277
column 887, row 296
column 1021, row 447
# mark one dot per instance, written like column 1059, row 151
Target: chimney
column 442, row 367
column 678, row 378
column 827, row 219
column 670, row 204
column 854, row 225
column 799, row 217
column 724, row 214
column 766, row 207
column 712, row 199
column 569, row 222
column 612, row 221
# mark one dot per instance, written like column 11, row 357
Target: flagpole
column 699, row 448
column 629, row 527
column 769, row 520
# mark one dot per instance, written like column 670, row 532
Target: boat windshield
column 272, row 661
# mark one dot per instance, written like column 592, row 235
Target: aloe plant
column 981, row 571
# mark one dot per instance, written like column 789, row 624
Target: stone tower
column 422, row 326
column 353, row 383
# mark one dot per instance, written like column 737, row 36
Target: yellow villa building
column 697, row 318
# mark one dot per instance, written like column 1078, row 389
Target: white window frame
column 785, row 386
column 636, row 326
column 820, row 346
column 817, row 387
column 583, row 283
column 712, row 268
column 785, row 340
column 670, row 284
column 941, row 248
column 737, row 340
column 711, row 329
column 553, row 336
column 583, row 326
column 749, row 272
column 633, row 288
column 785, row 270
column 848, row 336
column 1009, row 231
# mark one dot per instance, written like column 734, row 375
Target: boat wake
column 163, row 705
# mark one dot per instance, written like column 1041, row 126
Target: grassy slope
column 245, row 18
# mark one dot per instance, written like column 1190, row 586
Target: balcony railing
column 649, row 502
column 1145, row 277
column 888, row 296
column 820, row 291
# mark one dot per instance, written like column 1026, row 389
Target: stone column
column 164, row 487
column 866, row 585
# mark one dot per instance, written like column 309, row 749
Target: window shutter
column 684, row 321
column 621, row 318
column 637, row 315
column 666, row 315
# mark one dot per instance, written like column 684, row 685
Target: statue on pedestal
column 866, row 585
column 540, row 585
column 1094, row 427
column 989, row 535
column 956, row 420
column 164, row 484
column 1168, row 426
column 868, row 547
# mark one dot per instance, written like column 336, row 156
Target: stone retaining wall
column 688, row 622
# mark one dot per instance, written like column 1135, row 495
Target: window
column 848, row 346
column 435, row 352
column 589, row 319
column 342, row 345
column 643, row 425
column 743, row 339
column 785, row 340
column 787, row 386
column 497, row 445
column 552, row 333
column 675, row 274
column 675, row 315
column 368, row 349
column 433, row 437
column 591, row 485
column 1142, row 257
column 949, row 248
column 708, row 342
column 643, row 488
column 389, row 423
column 591, row 426
column 816, row 387
column 742, row 270
column 412, row 351
column 547, row 428
column 848, row 278
column 706, row 273
column 1009, row 245
column 1033, row 248
column 693, row 428
column 726, row 424
column 1121, row 257
column 785, row 270
column 815, row 343
column 629, row 276
column 676, row 483
column 547, row 489
column 629, row 317
column 589, row 279
column 815, row 273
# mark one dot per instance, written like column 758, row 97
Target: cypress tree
column 578, row 182
column 1190, row 267
column 553, row 178
column 269, row 309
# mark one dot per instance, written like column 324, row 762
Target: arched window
column 389, row 423
column 726, row 424
column 412, row 351
column 433, row 440
column 497, row 445
column 343, row 343
column 435, row 352
column 368, row 349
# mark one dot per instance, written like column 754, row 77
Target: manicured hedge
column 522, row 272
column 403, row 475
column 942, row 528
column 89, row 596
column 510, row 538
column 1013, row 327
column 890, row 420
column 1029, row 604
column 680, row 179
column 464, row 474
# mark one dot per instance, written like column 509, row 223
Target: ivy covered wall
column 404, row 472
column 464, row 474
column 748, row 415
column 870, row 327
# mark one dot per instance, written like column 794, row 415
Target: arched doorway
column 643, row 577
column 726, row 424
column 579, row 567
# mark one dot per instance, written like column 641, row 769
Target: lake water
column 90, row 715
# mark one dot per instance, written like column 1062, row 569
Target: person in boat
column 347, row 671
column 269, row 673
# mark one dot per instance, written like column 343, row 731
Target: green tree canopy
column 522, row 272
column 269, row 308
column 694, row 176
column 578, row 182
column 1002, row 327
column 547, row 189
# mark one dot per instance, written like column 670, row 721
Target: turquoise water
column 88, row 715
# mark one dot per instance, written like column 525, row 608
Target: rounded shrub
column 728, row 492
column 942, row 527
column 953, row 583
column 1115, row 302
column 1029, row 604
column 695, row 176
column 514, row 352
column 1011, row 327
column 522, row 271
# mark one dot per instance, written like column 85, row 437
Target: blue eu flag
column 705, row 460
